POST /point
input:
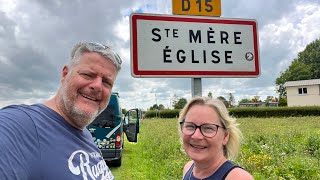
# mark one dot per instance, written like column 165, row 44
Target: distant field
column 274, row 148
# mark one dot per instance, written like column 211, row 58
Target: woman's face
column 198, row 147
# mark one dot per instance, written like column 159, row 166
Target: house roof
column 302, row 83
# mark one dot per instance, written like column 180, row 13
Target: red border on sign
column 151, row 73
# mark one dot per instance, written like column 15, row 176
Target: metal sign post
column 202, row 8
column 196, row 87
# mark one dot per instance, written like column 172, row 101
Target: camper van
column 109, row 127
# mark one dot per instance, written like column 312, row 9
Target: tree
column 180, row 104
column 210, row 95
column 154, row 107
column 161, row 107
column 283, row 102
column 244, row 101
column 226, row 103
column 311, row 56
column 174, row 100
column 231, row 100
column 296, row 71
column 268, row 99
column 255, row 99
column 124, row 111
column 305, row 67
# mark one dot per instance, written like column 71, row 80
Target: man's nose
column 96, row 84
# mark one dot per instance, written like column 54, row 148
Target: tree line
column 305, row 67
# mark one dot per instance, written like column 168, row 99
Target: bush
column 313, row 145
column 283, row 102
column 266, row 112
column 166, row 113
column 261, row 112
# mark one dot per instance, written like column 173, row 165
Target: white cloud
column 36, row 37
column 7, row 6
column 122, row 29
column 292, row 32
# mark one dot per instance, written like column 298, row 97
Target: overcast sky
column 36, row 37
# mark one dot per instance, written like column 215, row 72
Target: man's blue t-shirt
column 37, row 143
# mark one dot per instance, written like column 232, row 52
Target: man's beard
column 76, row 114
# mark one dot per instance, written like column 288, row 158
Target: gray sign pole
column 196, row 87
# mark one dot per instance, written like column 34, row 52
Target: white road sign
column 193, row 46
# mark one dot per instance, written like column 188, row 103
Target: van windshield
column 105, row 119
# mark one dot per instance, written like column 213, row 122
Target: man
column 49, row 140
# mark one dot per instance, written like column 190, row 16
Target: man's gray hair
column 103, row 50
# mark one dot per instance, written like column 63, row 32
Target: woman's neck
column 205, row 169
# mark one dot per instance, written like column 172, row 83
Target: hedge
column 262, row 112
column 166, row 113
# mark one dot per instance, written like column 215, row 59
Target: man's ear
column 65, row 71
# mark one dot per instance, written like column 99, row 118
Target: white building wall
column 309, row 99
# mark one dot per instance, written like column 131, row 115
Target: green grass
column 274, row 148
column 281, row 148
column 157, row 154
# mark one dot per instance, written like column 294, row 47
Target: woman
column 210, row 137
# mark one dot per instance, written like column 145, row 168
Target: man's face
column 86, row 89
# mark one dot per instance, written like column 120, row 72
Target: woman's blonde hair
column 232, row 147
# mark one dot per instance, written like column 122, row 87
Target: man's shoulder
column 14, row 111
column 17, row 116
column 19, row 143
column 20, row 108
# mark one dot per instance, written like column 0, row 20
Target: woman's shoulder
column 239, row 174
column 187, row 167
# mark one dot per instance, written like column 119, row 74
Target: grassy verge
column 274, row 148
column 281, row 148
column 157, row 154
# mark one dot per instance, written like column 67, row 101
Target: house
column 303, row 93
